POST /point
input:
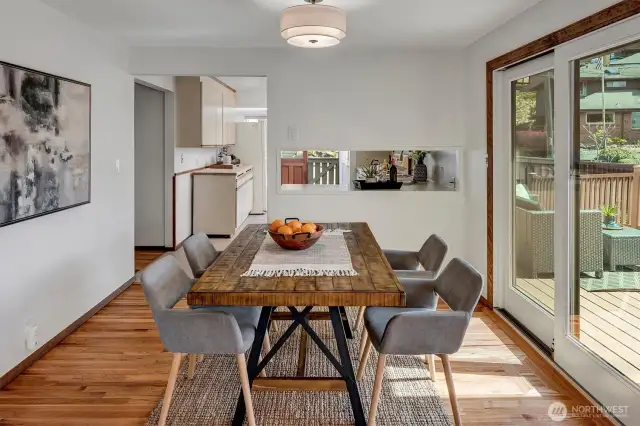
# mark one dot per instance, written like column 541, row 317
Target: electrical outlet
column 31, row 337
column 117, row 166
column 181, row 158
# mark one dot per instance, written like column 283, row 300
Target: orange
column 285, row 230
column 275, row 225
column 308, row 227
column 295, row 226
column 315, row 227
column 294, row 223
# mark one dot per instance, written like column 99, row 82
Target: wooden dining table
column 375, row 285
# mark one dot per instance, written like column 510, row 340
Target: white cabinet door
column 244, row 202
column 212, row 125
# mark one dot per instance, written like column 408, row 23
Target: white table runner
column 328, row 257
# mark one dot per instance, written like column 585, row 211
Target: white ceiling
column 255, row 23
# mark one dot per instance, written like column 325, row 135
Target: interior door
column 149, row 167
column 597, row 330
column 525, row 159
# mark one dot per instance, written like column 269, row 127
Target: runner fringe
column 300, row 272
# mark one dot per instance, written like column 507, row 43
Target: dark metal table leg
column 252, row 363
column 345, row 323
column 350, row 378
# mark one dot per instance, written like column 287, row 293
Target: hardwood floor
column 113, row 371
column 144, row 258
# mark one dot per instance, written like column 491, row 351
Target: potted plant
column 369, row 173
column 609, row 212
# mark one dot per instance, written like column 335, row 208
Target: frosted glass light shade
column 313, row 25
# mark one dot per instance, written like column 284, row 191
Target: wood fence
column 323, row 171
column 596, row 190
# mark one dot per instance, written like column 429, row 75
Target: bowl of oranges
column 291, row 234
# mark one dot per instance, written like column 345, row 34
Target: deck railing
column 619, row 189
column 323, row 171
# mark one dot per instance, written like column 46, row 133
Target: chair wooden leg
column 266, row 347
column 363, row 359
column 452, row 390
column 192, row 366
column 266, row 343
column 360, row 317
column 377, row 389
column 431, row 361
column 363, row 341
column 171, row 383
column 200, row 358
column 246, row 388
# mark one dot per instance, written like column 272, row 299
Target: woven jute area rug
column 408, row 395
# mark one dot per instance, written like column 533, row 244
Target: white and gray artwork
column 45, row 143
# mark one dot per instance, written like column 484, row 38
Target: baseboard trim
column 9, row 376
column 484, row 302
column 545, row 367
column 153, row 248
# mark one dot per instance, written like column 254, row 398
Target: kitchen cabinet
column 222, row 200
column 205, row 112
column 212, row 112
column 229, row 116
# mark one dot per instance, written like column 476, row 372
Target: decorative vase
column 609, row 221
column 420, row 171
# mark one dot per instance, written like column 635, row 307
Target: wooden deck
column 609, row 322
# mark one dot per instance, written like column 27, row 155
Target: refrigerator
column 251, row 149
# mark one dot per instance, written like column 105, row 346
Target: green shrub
column 629, row 161
column 616, row 155
column 616, row 141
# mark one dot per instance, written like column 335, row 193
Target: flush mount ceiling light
column 313, row 25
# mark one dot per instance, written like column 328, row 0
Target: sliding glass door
column 567, row 211
column 597, row 297
column 527, row 117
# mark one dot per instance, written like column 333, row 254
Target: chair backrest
column 432, row 253
column 460, row 285
column 200, row 253
column 164, row 283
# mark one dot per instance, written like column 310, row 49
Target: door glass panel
column 605, row 295
column 532, row 139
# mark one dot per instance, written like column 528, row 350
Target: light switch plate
column 293, row 133
column 117, row 166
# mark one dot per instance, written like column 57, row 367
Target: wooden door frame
column 611, row 15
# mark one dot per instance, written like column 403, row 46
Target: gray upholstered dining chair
column 211, row 330
column 419, row 330
column 430, row 256
column 406, row 264
column 200, row 253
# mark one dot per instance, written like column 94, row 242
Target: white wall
column 342, row 100
column 544, row 18
column 57, row 267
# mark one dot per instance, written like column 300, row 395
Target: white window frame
column 638, row 122
column 596, row 123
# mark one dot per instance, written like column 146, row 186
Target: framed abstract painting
column 45, row 143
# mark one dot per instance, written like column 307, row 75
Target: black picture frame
column 4, row 65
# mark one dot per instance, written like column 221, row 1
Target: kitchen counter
column 238, row 170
